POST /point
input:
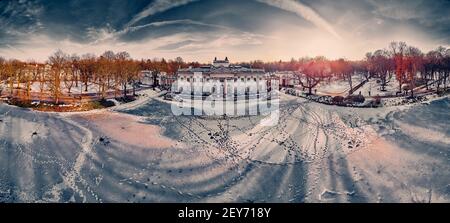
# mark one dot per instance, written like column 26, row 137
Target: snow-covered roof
column 221, row 70
column 221, row 67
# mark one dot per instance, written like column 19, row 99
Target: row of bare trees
column 64, row 71
column 61, row 73
column 409, row 65
column 118, row 71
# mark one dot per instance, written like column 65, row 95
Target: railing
column 357, row 87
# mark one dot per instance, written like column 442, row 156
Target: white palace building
column 221, row 79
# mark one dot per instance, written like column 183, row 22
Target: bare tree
column 42, row 78
column 69, row 75
column 381, row 65
column 57, row 62
column 312, row 72
column 29, row 77
column 3, row 75
column 75, row 65
column 414, row 64
column 86, row 68
column 121, row 70
column 398, row 50
column 343, row 69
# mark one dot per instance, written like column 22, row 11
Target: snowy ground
column 338, row 87
column 91, row 89
column 142, row 153
column 375, row 88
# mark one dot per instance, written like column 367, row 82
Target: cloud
column 19, row 17
column 156, row 7
column 100, row 34
column 197, row 27
column 195, row 40
column 242, row 30
column 192, row 46
column 173, row 22
column 303, row 11
column 398, row 10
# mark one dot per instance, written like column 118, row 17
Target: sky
column 199, row 30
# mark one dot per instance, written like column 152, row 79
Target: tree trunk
column 85, row 84
column 103, row 91
column 28, row 89
column 350, row 82
column 11, row 86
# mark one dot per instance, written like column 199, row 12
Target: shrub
column 355, row 99
column 126, row 99
column 106, row 103
column 338, row 100
column 326, row 99
column 21, row 103
column 377, row 100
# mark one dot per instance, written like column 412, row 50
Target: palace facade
column 221, row 78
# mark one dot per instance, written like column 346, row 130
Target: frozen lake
column 143, row 153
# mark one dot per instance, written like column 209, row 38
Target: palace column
column 225, row 88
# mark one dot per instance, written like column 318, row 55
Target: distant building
column 162, row 79
column 165, row 80
column 146, row 77
column 219, row 78
column 286, row 78
column 221, row 63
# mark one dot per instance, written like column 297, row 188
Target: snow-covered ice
column 140, row 152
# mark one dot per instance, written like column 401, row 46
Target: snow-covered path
column 71, row 177
column 142, row 153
